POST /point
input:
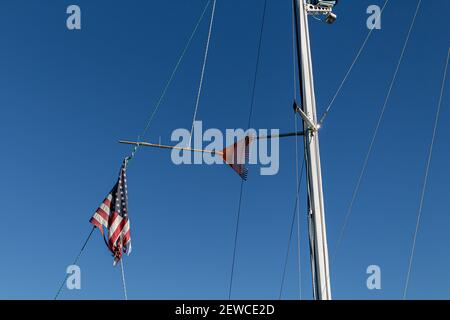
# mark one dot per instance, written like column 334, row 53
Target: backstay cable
column 258, row 59
column 375, row 134
column 425, row 182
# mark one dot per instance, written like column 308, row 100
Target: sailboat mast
column 316, row 214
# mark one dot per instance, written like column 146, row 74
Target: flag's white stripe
column 100, row 219
column 126, row 227
column 114, row 225
column 105, row 208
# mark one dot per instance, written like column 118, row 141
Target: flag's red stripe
column 113, row 238
column 96, row 223
column 126, row 238
column 102, row 213
column 111, row 221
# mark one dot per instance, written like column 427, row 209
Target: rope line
column 236, row 233
column 146, row 128
column 294, row 215
column 124, row 284
column 425, row 180
column 296, row 212
column 361, row 49
column 258, row 59
column 74, row 262
column 200, row 87
column 299, row 179
column 375, row 134
column 170, row 80
column 157, row 106
column 294, row 57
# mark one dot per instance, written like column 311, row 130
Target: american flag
column 113, row 215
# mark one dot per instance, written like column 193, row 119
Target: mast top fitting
column 317, row 7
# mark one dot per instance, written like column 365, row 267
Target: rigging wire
column 157, row 106
column 296, row 39
column 163, row 94
column 425, row 182
column 124, row 285
column 296, row 212
column 146, row 128
column 258, row 59
column 299, row 179
column 74, row 262
column 170, row 80
column 344, row 80
column 295, row 215
column 235, row 239
column 375, row 134
column 205, row 59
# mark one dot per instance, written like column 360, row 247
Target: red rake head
column 237, row 155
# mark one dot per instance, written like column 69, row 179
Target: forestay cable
column 425, row 182
column 375, row 134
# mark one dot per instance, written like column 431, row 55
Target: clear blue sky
column 66, row 97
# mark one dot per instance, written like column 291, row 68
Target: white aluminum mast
column 307, row 110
